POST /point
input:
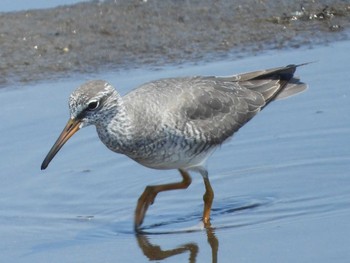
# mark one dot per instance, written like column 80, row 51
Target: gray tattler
column 174, row 123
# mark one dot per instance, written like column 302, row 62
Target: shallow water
column 19, row 5
column 282, row 185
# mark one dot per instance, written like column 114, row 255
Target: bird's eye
column 93, row 105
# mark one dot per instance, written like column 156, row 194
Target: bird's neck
column 116, row 131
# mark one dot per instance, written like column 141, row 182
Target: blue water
column 282, row 184
column 20, row 5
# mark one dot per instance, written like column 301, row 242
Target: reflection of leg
column 207, row 198
column 154, row 252
column 150, row 193
column 214, row 244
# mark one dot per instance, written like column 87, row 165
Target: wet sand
column 93, row 37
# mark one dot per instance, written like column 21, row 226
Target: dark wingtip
column 303, row 64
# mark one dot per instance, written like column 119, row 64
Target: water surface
column 281, row 185
column 19, row 5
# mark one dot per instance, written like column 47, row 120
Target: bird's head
column 91, row 103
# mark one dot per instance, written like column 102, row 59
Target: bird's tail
column 276, row 83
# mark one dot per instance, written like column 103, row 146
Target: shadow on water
column 245, row 206
column 103, row 230
column 155, row 252
column 155, row 239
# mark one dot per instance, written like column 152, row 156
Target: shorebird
column 174, row 123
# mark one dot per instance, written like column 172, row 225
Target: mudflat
column 93, row 36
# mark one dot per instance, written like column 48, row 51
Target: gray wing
column 210, row 108
column 217, row 107
column 214, row 109
column 206, row 108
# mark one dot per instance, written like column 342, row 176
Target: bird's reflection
column 155, row 252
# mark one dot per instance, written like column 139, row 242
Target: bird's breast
column 161, row 147
column 172, row 152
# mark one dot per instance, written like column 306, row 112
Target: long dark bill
column 68, row 131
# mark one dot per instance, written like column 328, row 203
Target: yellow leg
column 150, row 193
column 208, row 201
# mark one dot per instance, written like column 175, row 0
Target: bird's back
column 202, row 112
column 217, row 106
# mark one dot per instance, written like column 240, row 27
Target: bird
column 174, row 123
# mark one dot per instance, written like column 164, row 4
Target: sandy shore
column 88, row 37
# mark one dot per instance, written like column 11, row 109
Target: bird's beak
column 72, row 127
